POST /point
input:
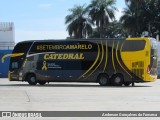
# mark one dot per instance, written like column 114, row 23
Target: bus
column 114, row 62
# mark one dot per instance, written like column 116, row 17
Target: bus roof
column 60, row 40
column 89, row 39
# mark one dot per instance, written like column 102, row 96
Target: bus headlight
column 20, row 73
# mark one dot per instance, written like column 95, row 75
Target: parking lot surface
column 19, row 96
column 78, row 97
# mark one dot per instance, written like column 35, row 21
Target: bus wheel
column 117, row 80
column 103, row 80
column 32, row 79
column 126, row 83
column 42, row 82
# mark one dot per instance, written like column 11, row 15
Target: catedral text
column 78, row 56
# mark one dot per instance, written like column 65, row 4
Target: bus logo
column 44, row 68
column 6, row 114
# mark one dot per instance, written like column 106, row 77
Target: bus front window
column 19, row 54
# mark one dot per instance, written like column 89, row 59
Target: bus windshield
column 16, row 62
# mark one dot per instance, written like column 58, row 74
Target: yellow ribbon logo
column 44, row 66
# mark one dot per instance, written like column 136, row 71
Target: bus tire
column 117, row 80
column 42, row 82
column 126, row 83
column 31, row 78
column 103, row 80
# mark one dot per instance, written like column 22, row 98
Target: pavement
column 19, row 96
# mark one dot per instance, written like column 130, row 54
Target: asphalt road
column 19, row 96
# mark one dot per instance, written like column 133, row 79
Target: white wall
column 7, row 35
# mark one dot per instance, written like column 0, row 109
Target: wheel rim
column 33, row 79
column 103, row 80
column 117, row 80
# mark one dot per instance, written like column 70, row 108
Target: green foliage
column 101, row 11
column 138, row 16
column 79, row 25
column 141, row 15
column 115, row 30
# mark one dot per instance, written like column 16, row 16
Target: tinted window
column 64, row 46
column 133, row 45
column 16, row 62
column 14, row 65
column 22, row 47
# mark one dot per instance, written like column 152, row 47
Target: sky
column 41, row 19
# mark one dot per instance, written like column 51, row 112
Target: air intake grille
column 138, row 69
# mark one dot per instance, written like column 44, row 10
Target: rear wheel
column 117, row 80
column 42, row 82
column 103, row 80
column 32, row 79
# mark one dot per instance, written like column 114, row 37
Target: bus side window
column 14, row 65
column 133, row 45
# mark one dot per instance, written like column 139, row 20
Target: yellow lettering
column 46, row 57
column 54, row 56
column 78, row 56
column 60, row 56
column 82, row 46
column 71, row 56
column 65, row 56
column 81, row 56
column 90, row 46
column 64, row 47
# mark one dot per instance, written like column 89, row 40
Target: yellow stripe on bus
column 93, row 63
column 11, row 55
column 118, row 59
column 113, row 57
column 106, row 58
column 99, row 62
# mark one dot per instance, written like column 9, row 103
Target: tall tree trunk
column 101, row 27
column 81, row 31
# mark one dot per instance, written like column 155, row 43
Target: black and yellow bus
column 105, row 61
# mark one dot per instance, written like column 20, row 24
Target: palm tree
column 78, row 24
column 138, row 5
column 129, row 19
column 143, row 14
column 101, row 11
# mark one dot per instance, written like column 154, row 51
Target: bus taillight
column 149, row 69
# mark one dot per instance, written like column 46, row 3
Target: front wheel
column 103, row 80
column 32, row 79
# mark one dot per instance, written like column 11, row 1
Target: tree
column 101, row 11
column 78, row 24
column 141, row 15
column 115, row 30
column 153, row 16
column 138, row 5
column 128, row 19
